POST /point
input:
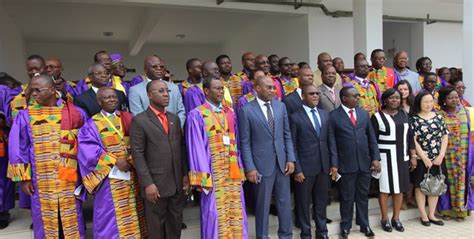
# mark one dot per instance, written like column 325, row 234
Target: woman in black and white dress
column 397, row 147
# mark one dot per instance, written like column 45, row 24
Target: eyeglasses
column 161, row 91
column 312, row 93
column 39, row 90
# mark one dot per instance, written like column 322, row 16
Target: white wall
column 331, row 35
column 78, row 56
column 443, row 44
column 396, row 37
column 282, row 35
column 12, row 52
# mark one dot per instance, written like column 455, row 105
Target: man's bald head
column 54, row 67
column 154, row 67
column 324, row 59
column 45, row 80
column 210, row 69
column 305, row 77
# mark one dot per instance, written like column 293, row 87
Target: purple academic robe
column 21, row 151
column 199, row 157
column 194, row 98
column 243, row 101
column 135, row 81
column 7, row 96
column 7, row 187
column 69, row 89
column 247, row 87
column 90, row 149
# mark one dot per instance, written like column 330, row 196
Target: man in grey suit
column 268, row 156
column 358, row 156
column 329, row 98
column 315, row 161
column 138, row 99
column 160, row 160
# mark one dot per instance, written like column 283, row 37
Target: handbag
column 433, row 185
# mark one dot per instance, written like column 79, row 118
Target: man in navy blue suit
column 358, row 156
column 315, row 161
column 268, row 156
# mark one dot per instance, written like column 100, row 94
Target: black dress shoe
column 183, row 226
column 425, row 223
column 398, row 225
column 344, row 234
column 324, row 236
column 386, row 226
column 328, row 220
column 31, row 226
column 437, row 222
column 367, row 232
column 4, row 224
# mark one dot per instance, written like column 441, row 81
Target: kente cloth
column 247, row 87
column 217, row 171
column 244, row 75
column 279, row 91
column 195, row 97
column 440, row 83
column 42, row 149
column 16, row 102
column 118, row 207
column 185, row 86
column 368, row 98
column 234, row 84
column 385, row 78
column 7, row 187
column 458, row 199
column 116, row 82
column 243, row 100
column 465, row 102
column 289, row 84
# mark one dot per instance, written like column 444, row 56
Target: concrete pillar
column 368, row 25
column 12, row 50
column 468, row 49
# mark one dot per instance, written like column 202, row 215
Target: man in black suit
column 293, row 101
column 99, row 77
column 315, row 161
column 358, row 156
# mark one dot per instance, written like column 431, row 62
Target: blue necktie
column 317, row 127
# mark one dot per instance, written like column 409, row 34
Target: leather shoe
column 328, row 220
column 4, row 224
column 367, row 231
column 345, row 234
column 324, row 236
column 425, row 223
column 437, row 222
column 183, row 226
column 398, row 225
column 386, row 226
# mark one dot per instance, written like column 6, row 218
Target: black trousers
column 354, row 188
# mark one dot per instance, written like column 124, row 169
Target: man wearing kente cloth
column 215, row 166
column 288, row 83
column 231, row 81
column 103, row 58
column 42, row 153
column 368, row 91
column 384, row 77
column 54, row 68
column 193, row 66
column 195, row 95
column 108, row 172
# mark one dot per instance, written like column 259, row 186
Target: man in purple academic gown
column 215, row 165
column 104, row 149
column 54, row 68
column 103, row 58
column 7, row 189
column 42, row 156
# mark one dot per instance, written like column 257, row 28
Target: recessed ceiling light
column 180, row 36
column 108, row 34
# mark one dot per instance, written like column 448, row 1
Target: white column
column 12, row 50
column 368, row 25
column 468, row 49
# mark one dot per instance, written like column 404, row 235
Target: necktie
column 270, row 120
column 164, row 121
column 333, row 96
column 353, row 119
column 317, row 127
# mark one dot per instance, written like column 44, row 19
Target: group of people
column 243, row 140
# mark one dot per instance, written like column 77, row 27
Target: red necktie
column 353, row 119
column 164, row 122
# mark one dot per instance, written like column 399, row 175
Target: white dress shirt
column 263, row 107
column 299, row 91
column 310, row 115
column 347, row 111
column 95, row 89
